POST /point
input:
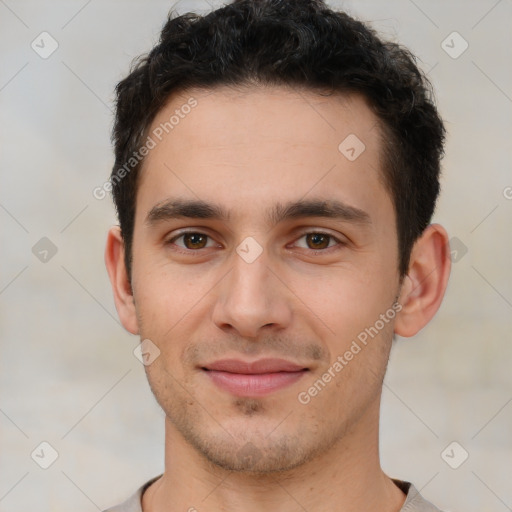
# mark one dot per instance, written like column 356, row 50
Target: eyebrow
column 197, row 209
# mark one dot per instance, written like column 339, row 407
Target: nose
column 252, row 298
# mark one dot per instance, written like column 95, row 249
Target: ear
column 116, row 268
column 424, row 285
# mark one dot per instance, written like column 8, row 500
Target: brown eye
column 317, row 240
column 194, row 240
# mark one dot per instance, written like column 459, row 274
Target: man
column 276, row 171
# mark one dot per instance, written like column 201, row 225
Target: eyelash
column 338, row 245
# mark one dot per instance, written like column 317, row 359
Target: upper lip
column 268, row 365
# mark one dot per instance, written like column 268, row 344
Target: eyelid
column 339, row 240
column 183, row 232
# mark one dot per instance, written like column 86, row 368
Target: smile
column 255, row 379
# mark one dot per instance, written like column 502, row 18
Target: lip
column 253, row 379
column 268, row 365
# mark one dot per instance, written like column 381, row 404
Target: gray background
column 67, row 372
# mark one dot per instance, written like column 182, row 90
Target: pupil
column 318, row 239
column 194, row 239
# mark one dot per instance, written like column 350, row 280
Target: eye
column 192, row 240
column 318, row 241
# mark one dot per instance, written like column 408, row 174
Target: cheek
column 172, row 307
column 164, row 292
column 345, row 300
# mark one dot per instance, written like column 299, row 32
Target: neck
column 347, row 478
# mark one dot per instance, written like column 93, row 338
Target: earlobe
column 425, row 284
column 121, row 286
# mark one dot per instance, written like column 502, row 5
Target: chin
column 254, row 458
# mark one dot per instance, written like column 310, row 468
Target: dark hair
column 289, row 43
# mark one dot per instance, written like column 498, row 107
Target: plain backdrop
column 68, row 376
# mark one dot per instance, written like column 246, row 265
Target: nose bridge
column 248, row 285
column 249, row 297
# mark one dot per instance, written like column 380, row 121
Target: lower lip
column 253, row 385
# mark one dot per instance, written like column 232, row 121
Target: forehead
column 281, row 114
column 271, row 142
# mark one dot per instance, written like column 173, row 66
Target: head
column 302, row 45
column 285, row 172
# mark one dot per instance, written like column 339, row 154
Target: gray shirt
column 413, row 503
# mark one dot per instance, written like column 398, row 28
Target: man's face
column 278, row 277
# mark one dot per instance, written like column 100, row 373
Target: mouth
column 255, row 379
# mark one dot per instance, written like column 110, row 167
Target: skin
column 302, row 299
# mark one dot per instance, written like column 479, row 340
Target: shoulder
column 134, row 502
column 414, row 501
